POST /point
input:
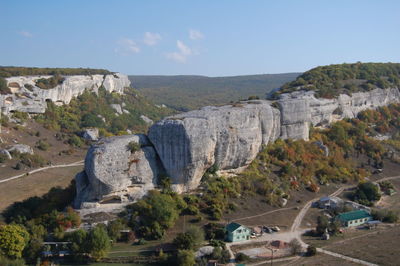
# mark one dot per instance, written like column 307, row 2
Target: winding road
column 78, row 163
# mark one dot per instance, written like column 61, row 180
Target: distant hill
column 332, row 80
column 191, row 92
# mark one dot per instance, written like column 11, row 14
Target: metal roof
column 232, row 227
column 353, row 215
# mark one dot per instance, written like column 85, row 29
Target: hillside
column 332, row 80
column 191, row 92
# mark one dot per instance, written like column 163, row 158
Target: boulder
column 91, row 134
column 147, row 120
column 117, row 108
column 21, row 148
column 112, row 171
column 6, row 153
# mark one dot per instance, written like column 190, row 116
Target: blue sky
column 215, row 38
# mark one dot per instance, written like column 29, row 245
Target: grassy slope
column 191, row 92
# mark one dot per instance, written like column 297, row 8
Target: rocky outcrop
column 114, row 173
column 91, row 134
column 301, row 109
column 21, row 148
column 27, row 97
column 228, row 136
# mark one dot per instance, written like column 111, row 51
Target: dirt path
column 261, row 214
column 78, row 163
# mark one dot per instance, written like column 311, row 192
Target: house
column 328, row 203
column 237, row 232
column 354, row 218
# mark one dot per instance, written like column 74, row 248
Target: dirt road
column 78, row 163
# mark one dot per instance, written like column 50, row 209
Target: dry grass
column 381, row 247
column 36, row 184
column 26, row 135
column 320, row 260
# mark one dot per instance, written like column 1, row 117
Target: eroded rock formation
column 229, row 137
column 27, row 97
column 114, row 173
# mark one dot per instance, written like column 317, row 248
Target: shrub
column 49, row 83
column 295, row 246
column 133, row 146
column 3, row 87
column 43, row 145
column 3, row 158
column 311, row 251
column 240, row 257
column 75, row 141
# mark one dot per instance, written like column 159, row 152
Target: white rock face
column 230, row 137
column 27, row 97
column 301, row 109
column 113, row 172
column 91, row 134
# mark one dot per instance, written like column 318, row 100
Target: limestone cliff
column 27, row 97
column 229, row 137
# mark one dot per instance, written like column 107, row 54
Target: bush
column 3, row 87
column 3, row 158
column 295, row 246
column 311, row 251
column 42, row 145
column 75, row 141
column 49, row 83
column 185, row 258
column 32, row 160
column 240, row 257
column 133, row 146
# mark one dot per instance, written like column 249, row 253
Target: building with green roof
column 354, row 218
column 237, row 232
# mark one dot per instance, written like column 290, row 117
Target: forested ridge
column 332, row 80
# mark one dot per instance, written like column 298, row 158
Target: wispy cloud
column 182, row 54
column 151, row 38
column 195, row 34
column 26, row 34
column 127, row 46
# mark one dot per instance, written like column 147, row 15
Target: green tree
column 157, row 212
column 98, row 242
column 185, row 258
column 367, row 193
column 191, row 239
column 13, row 239
column 322, row 224
column 114, row 229
column 78, row 239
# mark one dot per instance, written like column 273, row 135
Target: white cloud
column 25, row 34
column 195, row 34
column 127, row 46
column 151, row 38
column 182, row 54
